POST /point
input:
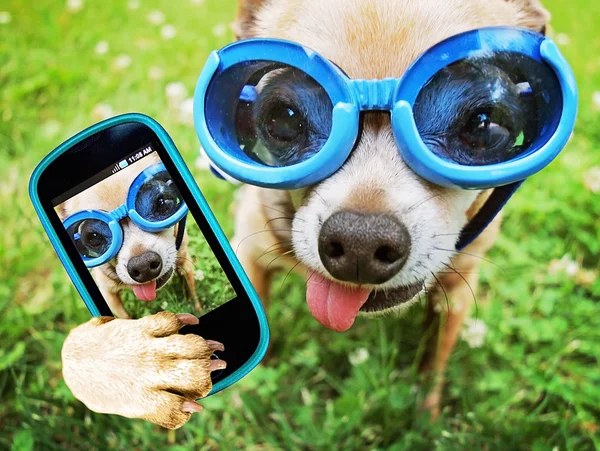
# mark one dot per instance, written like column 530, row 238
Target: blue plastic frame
column 350, row 97
column 126, row 210
column 193, row 187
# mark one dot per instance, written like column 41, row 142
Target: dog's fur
column 112, row 277
column 374, row 40
column 367, row 39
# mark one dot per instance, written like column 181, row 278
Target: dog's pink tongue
column 145, row 292
column 334, row 305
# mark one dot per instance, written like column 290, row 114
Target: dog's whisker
column 454, row 251
column 445, row 294
column 262, row 231
column 276, row 258
column 281, row 218
column 274, row 209
column 446, row 234
column 468, row 285
column 322, row 198
column 270, row 249
column 421, row 202
column 287, row 275
column 185, row 259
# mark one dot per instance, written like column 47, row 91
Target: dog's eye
column 477, row 112
column 283, row 123
column 283, row 117
column 158, row 198
column 91, row 237
column 165, row 204
column 487, row 130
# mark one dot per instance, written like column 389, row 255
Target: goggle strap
column 497, row 200
column 180, row 232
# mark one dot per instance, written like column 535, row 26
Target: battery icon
column 123, row 164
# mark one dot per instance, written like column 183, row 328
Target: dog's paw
column 140, row 368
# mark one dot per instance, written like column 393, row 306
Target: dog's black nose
column 363, row 248
column 145, row 267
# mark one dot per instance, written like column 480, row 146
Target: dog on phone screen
column 367, row 39
column 147, row 260
column 374, row 207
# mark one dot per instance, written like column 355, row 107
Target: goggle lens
column 488, row 109
column 280, row 116
column 92, row 237
column 158, row 198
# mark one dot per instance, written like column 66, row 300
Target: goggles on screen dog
column 153, row 204
column 485, row 108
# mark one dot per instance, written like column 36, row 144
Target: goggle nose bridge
column 120, row 213
column 374, row 94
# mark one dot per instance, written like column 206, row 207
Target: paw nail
column 186, row 318
column 192, row 407
column 217, row 365
column 215, row 345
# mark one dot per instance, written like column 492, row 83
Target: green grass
column 534, row 385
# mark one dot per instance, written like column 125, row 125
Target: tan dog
column 374, row 203
column 367, row 39
column 146, row 261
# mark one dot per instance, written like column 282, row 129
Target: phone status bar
column 115, row 168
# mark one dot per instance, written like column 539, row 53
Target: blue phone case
column 189, row 180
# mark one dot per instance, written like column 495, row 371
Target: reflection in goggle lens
column 282, row 115
column 488, row 109
column 158, row 198
column 92, row 237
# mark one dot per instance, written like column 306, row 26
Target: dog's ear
column 531, row 14
column 61, row 211
column 246, row 16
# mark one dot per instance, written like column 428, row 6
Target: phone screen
column 144, row 249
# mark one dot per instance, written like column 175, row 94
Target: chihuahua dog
column 373, row 220
column 146, row 261
column 374, row 201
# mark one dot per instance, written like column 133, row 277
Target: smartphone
column 137, row 237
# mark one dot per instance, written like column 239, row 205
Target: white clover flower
column 571, row 268
column 199, row 275
column 202, row 162
column 168, row 31
column 596, row 100
column 176, row 93
column 591, row 179
column 155, row 73
column 358, row 357
column 562, row 39
column 133, row 4
column 565, row 265
column 122, row 62
column 74, row 5
column 186, row 112
column 101, row 48
column 102, row 111
column 5, row 17
column 156, row 17
column 219, row 30
column 51, row 128
column 474, row 332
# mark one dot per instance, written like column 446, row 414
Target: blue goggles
column 153, row 204
column 482, row 109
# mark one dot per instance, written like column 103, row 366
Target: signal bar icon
column 121, row 165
